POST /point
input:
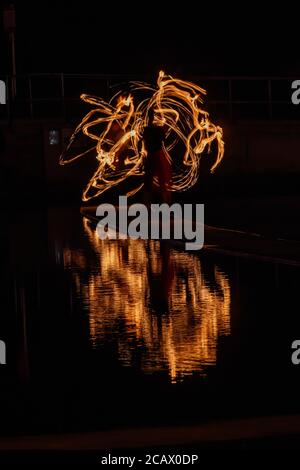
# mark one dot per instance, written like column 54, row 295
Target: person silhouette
column 157, row 167
column 161, row 279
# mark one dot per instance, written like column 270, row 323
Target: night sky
column 83, row 37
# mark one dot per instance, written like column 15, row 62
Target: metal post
column 230, row 99
column 9, row 18
column 8, row 98
column 62, row 84
column 30, row 96
column 14, row 68
column 108, row 88
column 270, row 106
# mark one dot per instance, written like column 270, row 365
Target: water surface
column 135, row 332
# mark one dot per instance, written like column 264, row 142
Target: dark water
column 132, row 332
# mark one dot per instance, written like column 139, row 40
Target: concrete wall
column 262, row 147
column 251, row 149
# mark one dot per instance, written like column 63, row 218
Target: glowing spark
column 117, row 131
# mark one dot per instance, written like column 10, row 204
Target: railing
column 58, row 95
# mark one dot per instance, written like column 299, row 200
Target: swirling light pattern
column 116, row 129
column 165, row 310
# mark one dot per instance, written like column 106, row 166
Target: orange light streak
column 116, row 129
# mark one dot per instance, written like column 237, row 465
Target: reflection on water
column 161, row 307
column 83, row 319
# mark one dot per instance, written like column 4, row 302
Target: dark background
column 125, row 37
